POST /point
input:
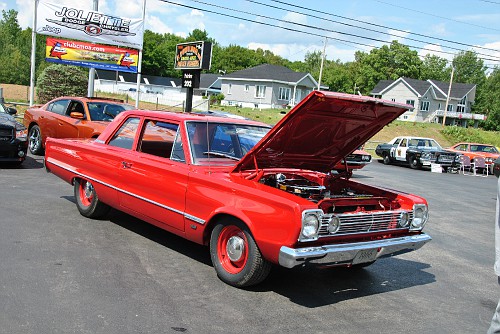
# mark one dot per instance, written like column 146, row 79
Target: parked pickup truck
column 417, row 152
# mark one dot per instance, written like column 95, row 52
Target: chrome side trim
column 188, row 216
column 347, row 254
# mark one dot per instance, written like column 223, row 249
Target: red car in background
column 356, row 160
column 489, row 152
column 70, row 117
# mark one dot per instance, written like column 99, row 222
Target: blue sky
column 426, row 26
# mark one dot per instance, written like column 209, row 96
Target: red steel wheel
column 232, row 249
column 235, row 254
column 87, row 201
column 86, row 191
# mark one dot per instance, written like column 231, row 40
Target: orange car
column 70, row 117
column 473, row 150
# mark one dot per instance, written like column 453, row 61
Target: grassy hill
column 445, row 136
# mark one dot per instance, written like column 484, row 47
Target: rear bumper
column 353, row 253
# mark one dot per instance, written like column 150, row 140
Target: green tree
column 387, row 62
column 491, row 104
column 435, row 68
column 59, row 80
column 470, row 69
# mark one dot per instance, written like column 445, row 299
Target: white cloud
column 190, row 21
column 156, row 24
column 439, row 29
column 434, row 50
column 397, row 35
column 295, row 17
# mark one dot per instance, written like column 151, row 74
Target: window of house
column 229, row 88
column 260, row 91
column 247, row 88
column 424, row 106
column 439, row 106
column 461, row 105
column 284, row 93
column 393, row 100
column 450, row 107
column 412, row 103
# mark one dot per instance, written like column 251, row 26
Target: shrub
column 60, row 80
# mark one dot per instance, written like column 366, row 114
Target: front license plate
column 367, row 255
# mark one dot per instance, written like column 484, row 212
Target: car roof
column 186, row 116
column 90, row 99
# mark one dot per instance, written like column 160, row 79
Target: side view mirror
column 11, row 110
column 77, row 115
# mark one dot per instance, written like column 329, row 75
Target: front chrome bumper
column 353, row 253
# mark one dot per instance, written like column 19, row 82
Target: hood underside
column 322, row 129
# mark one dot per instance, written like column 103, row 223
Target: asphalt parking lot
column 63, row 273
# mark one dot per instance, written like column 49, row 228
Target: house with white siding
column 266, row 86
column 429, row 100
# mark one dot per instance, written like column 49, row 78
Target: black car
column 496, row 167
column 417, row 152
column 13, row 137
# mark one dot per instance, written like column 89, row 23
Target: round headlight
column 310, row 225
column 403, row 219
column 334, row 225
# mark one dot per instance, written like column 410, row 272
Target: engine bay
column 332, row 193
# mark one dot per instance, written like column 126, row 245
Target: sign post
column 191, row 58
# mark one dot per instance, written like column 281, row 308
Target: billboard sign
column 193, row 56
column 87, row 25
column 103, row 57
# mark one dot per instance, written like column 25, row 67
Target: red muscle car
column 356, row 160
column 255, row 196
column 69, row 117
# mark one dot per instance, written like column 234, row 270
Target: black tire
column 87, row 201
column 386, row 159
column 414, row 163
column 35, row 140
column 241, row 265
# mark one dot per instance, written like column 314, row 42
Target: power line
column 296, row 30
column 376, row 25
column 328, row 30
column 434, row 15
column 358, row 27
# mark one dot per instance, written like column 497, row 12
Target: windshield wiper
column 221, row 154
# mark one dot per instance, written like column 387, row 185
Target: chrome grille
column 445, row 158
column 353, row 223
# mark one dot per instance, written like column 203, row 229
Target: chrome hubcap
column 88, row 189
column 235, row 248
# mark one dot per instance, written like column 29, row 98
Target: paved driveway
column 63, row 273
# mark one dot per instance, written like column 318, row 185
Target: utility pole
column 448, row 96
column 322, row 61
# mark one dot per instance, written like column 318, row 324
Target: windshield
column 484, row 149
column 225, row 142
column 424, row 143
column 105, row 111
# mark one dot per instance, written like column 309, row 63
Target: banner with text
column 97, row 56
column 88, row 25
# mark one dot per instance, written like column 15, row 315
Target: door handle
column 126, row 164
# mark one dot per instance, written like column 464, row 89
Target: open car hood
column 318, row 132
